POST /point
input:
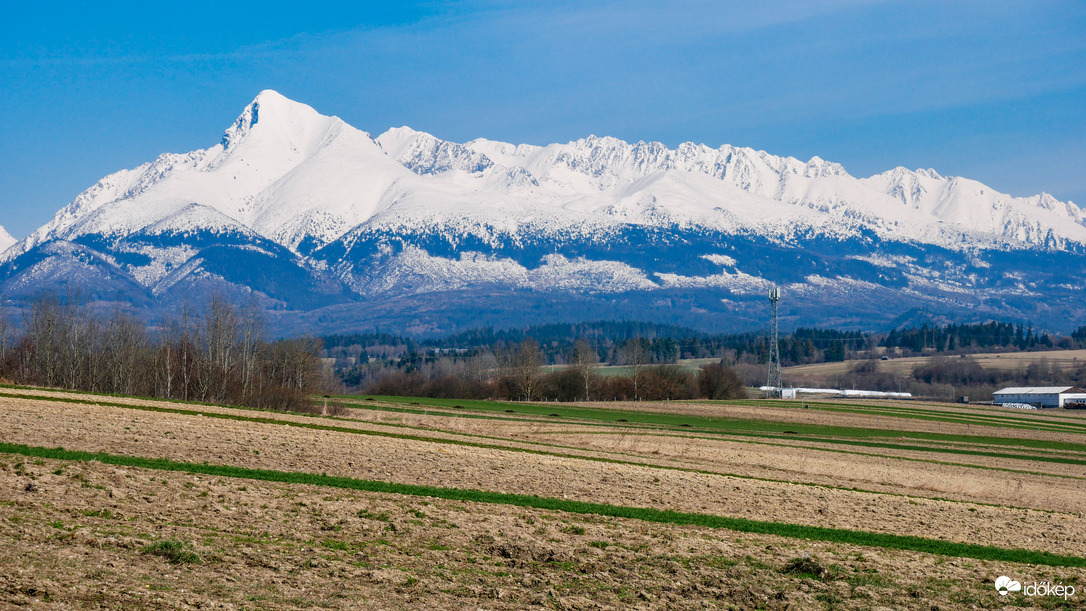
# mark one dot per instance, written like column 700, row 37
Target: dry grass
column 883, row 472
column 818, row 372
column 195, row 439
column 286, row 546
column 76, row 541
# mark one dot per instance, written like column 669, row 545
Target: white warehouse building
column 1041, row 396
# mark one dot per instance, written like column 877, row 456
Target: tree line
column 951, row 338
column 519, row 372
column 215, row 354
column 669, row 343
column 565, row 367
column 354, row 353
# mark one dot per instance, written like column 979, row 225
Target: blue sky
column 991, row 90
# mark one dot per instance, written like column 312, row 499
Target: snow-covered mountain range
column 330, row 227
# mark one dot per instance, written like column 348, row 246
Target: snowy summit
column 348, row 216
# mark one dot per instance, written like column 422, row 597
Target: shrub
column 175, row 551
column 669, row 382
column 804, row 567
column 715, row 381
column 564, row 385
column 620, row 388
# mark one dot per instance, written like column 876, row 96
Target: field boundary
column 977, row 418
column 499, row 447
column 962, row 440
column 651, row 431
column 719, row 424
column 647, row 514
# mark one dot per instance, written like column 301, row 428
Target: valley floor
column 425, row 503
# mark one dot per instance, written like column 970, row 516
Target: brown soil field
column 792, row 411
column 78, row 539
column 699, row 451
column 877, row 473
column 787, row 411
column 301, row 546
column 257, row 445
column 810, row 462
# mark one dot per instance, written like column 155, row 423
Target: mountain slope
column 6, row 241
column 273, row 169
column 324, row 223
column 900, row 204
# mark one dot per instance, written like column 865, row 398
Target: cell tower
column 773, row 384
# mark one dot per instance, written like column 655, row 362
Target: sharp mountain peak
column 407, row 212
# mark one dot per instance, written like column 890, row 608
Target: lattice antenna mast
column 774, row 381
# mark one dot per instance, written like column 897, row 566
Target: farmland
column 818, row 373
column 390, row 502
column 827, row 373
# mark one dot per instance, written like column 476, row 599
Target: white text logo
column 1005, row 585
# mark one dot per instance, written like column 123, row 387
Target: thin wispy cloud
column 871, row 84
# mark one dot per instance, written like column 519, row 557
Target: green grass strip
column 327, row 427
column 506, row 448
column 835, row 451
column 715, row 423
column 960, row 451
column 776, row 431
column 993, row 419
column 418, row 408
column 647, row 514
column 600, row 459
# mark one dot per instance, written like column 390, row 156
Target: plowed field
column 781, row 498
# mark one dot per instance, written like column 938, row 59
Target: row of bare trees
column 216, row 355
column 519, row 373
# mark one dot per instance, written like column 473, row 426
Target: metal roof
column 1038, row 390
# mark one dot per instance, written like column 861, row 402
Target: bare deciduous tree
column 125, row 350
column 44, row 321
column 223, row 359
column 584, row 361
column 7, row 339
column 252, row 336
column 523, row 367
column 635, row 356
column 220, row 332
